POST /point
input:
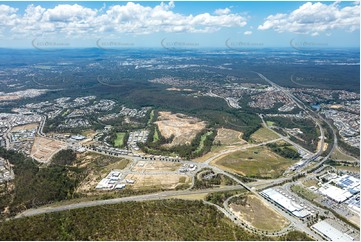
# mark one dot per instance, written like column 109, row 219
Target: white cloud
column 247, row 33
column 75, row 19
column 313, row 18
column 222, row 11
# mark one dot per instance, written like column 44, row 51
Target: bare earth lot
column 166, row 181
column 25, row 127
column 229, row 137
column 259, row 214
column 43, row 149
column 184, row 128
column 98, row 166
column 156, row 166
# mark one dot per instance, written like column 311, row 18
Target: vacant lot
column 259, row 214
column 43, row 148
column 184, row 128
column 97, row 167
column 255, row 162
column 263, row 135
column 229, row 137
column 166, row 181
column 338, row 155
column 25, row 127
column 156, row 166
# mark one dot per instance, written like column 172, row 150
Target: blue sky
column 180, row 24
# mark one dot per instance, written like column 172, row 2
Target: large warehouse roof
column 330, row 232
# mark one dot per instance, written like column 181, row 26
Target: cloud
column 75, row 19
column 313, row 18
column 223, row 11
column 247, row 33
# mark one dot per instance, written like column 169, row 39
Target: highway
column 304, row 107
column 147, row 197
column 295, row 222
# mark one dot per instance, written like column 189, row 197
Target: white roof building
column 335, row 193
column 286, row 203
column 330, row 232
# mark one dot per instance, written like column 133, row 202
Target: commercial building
column 330, row 233
column 337, row 194
column 285, row 202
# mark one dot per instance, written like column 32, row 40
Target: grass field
column 337, row 155
column 259, row 214
column 270, row 123
column 263, row 135
column 155, row 135
column 119, row 141
column 255, row 162
column 303, row 192
column 355, row 169
column 201, row 143
column 310, row 183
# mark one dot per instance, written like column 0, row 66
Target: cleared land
column 254, row 162
column 97, row 167
column 184, row 128
column 259, row 214
column 263, row 134
column 166, row 181
column 229, row 137
column 156, row 166
column 25, row 127
column 43, row 148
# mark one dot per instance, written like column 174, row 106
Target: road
column 147, row 197
column 244, row 147
column 309, row 111
column 169, row 194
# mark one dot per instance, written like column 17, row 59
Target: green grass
column 303, row 192
column 337, row 155
column 201, row 143
column 150, row 117
column 155, row 136
column 263, row 134
column 258, row 162
column 270, row 123
column 119, row 141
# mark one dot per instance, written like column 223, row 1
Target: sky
column 179, row 24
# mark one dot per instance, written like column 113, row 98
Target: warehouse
column 330, row 233
column 285, row 203
column 335, row 193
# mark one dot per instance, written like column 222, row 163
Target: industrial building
column 330, row 233
column 285, row 202
column 345, row 187
column 111, row 181
column 337, row 194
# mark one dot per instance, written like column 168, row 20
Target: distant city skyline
column 179, row 24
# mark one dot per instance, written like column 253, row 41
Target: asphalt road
column 147, row 197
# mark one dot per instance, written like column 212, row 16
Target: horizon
column 205, row 24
